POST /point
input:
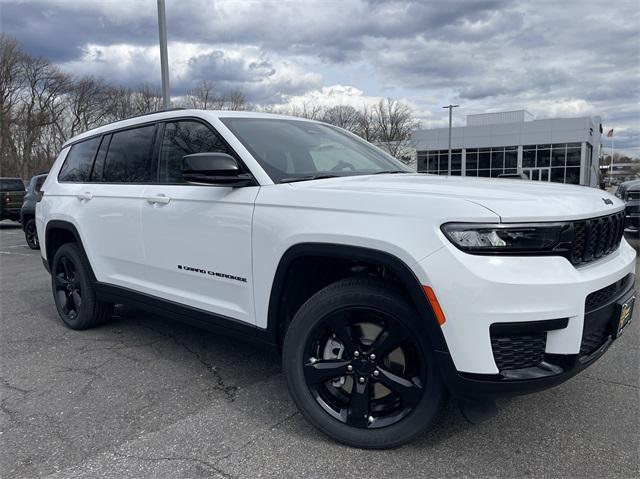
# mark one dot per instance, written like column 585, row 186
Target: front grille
column 592, row 340
column 518, row 351
column 602, row 296
column 633, row 195
column 596, row 237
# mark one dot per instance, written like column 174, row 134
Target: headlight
column 506, row 238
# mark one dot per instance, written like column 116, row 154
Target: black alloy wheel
column 359, row 367
column 31, row 234
column 363, row 368
column 68, row 290
column 73, row 291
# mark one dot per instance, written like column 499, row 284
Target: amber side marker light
column 437, row 310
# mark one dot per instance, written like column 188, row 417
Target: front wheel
column 358, row 367
column 31, row 234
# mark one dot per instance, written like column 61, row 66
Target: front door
column 197, row 238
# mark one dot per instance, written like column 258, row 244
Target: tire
column 73, row 291
column 31, row 234
column 332, row 383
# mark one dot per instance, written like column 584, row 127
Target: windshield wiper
column 321, row 176
column 392, row 172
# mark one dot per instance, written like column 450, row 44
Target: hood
column 511, row 199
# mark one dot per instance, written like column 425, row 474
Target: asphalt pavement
column 149, row 397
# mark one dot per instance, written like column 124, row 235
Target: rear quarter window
column 77, row 165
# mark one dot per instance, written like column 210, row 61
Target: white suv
column 383, row 288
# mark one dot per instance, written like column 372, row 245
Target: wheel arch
column 277, row 320
column 59, row 232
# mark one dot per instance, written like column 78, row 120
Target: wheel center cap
column 363, row 366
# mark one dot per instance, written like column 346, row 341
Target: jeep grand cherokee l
column 382, row 287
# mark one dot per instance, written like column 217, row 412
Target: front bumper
column 477, row 293
column 555, row 368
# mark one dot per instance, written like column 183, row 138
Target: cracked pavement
column 145, row 396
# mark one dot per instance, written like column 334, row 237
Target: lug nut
column 361, row 380
column 356, row 354
column 376, row 373
column 372, row 357
column 370, row 418
column 349, row 368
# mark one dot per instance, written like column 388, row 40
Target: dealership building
column 563, row 150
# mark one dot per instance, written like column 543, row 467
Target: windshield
column 11, row 185
column 291, row 149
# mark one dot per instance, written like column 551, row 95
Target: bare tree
column 394, row 124
column 366, row 124
column 41, row 106
column 236, row 100
column 343, row 116
column 11, row 82
column 204, row 97
column 118, row 103
column 87, row 105
column 146, row 99
column 310, row 110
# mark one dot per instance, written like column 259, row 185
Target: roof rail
column 152, row 113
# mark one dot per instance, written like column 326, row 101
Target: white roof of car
column 176, row 113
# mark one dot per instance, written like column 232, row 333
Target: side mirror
column 213, row 168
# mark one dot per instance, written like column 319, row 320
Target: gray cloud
column 568, row 57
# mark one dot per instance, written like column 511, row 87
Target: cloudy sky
column 554, row 58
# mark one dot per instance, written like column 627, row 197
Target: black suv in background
column 629, row 192
column 11, row 195
column 28, row 210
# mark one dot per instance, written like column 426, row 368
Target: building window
column 558, row 162
column 437, row 162
column 492, row 162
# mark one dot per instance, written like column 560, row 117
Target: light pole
column 450, row 107
column 164, row 61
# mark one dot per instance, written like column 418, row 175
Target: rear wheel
column 73, row 292
column 358, row 368
column 31, row 234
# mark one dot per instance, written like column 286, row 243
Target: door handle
column 85, row 196
column 159, row 199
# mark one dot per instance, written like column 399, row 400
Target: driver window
column 184, row 138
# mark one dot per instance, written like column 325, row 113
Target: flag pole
column 611, row 162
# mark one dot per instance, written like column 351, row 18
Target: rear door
column 197, row 238
column 109, row 205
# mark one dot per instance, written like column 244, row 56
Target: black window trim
column 160, row 124
column 106, row 137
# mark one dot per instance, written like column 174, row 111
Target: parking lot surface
column 149, row 397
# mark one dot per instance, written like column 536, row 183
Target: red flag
column 610, row 133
